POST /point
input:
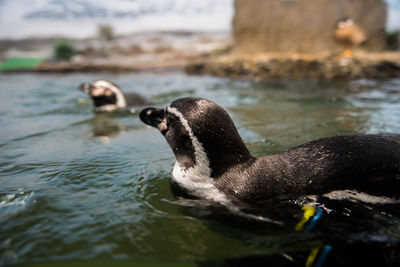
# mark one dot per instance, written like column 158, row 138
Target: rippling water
column 76, row 186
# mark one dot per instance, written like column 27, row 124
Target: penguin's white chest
column 196, row 181
column 193, row 179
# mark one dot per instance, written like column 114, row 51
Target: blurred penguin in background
column 349, row 35
column 107, row 96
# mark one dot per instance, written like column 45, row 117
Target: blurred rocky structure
column 295, row 39
column 304, row 25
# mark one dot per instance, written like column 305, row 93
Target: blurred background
column 48, row 18
column 105, row 31
column 139, row 34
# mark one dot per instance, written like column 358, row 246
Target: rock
column 300, row 66
column 303, row 25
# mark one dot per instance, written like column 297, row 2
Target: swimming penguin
column 107, row 96
column 212, row 161
column 349, row 35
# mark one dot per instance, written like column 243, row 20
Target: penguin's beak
column 85, row 87
column 154, row 117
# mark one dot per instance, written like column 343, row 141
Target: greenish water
column 93, row 189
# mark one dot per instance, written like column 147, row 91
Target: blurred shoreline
column 200, row 53
column 163, row 50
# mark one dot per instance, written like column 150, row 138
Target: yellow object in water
column 309, row 211
column 311, row 257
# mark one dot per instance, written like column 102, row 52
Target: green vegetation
column 393, row 40
column 63, row 50
column 17, row 63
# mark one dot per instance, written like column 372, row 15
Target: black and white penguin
column 212, row 161
column 107, row 96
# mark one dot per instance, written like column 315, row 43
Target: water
column 94, row 189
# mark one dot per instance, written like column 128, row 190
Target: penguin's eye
column 170, row 121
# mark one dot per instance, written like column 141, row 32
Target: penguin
column 213, row 162
column 349, row 35
column 107, row 96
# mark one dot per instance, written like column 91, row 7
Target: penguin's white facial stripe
column 121, row 102
column 202, row 162
column 196, row 179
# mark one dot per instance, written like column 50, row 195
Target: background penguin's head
column 196, row 128
column 105, row 95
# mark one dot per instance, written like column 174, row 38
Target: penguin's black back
column 367, row 163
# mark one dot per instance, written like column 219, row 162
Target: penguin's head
column 105, row 95
column 199, row 132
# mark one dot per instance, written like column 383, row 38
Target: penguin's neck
column 226, row 154
column 121, row 101
column 211, row 160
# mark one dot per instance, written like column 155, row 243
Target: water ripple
column 14, row 203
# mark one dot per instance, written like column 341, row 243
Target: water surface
column 93, row 188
